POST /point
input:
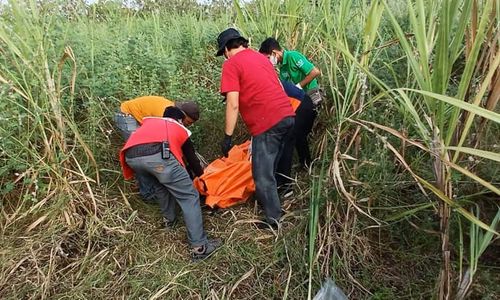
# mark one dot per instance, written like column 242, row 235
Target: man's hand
column 232, row 101
column 315, row 72
column 226, row 145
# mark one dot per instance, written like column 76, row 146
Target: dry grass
column 121, row 252
column 124, row 253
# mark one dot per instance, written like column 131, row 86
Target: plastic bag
column 330, row 291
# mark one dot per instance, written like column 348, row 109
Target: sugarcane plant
column 444, row 34
column 46, row 141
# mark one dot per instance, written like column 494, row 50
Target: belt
column 143, row 150
column 119, row 112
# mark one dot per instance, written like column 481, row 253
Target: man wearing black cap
column 251, row 87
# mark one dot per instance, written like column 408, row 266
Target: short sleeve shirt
column 262, row 101
column 146, row 106
column 295, row 67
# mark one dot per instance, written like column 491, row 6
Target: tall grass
column 417, row 80
column 440, row 35
column 45, row 147
column 434, row 38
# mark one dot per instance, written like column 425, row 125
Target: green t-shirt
column 295, row 68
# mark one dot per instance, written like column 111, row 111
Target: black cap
column 190, row 108
column 224, row 37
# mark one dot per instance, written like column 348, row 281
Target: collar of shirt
column 285, row 56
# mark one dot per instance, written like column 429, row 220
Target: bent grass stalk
column 440, row 126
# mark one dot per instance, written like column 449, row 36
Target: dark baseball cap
column 190, row 108
column 226, row 36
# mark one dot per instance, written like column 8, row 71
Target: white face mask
column 273, row 59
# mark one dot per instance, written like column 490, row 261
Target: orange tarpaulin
column 228, row 181
column 295, row 103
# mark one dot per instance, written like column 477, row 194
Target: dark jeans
column 304, row 120
column 168, row 182
column 267, row 148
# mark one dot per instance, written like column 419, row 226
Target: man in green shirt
column 294, row 67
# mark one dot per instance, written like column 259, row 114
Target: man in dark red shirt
column 251, row 87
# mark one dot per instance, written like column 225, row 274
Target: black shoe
column 265, row 225
column 202, row 252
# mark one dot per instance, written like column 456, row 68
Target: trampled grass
column 126, row 254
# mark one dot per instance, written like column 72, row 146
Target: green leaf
column 455, row 205
column 488, row 114
column 476, row 152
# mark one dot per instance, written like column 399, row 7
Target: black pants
column 304, row 120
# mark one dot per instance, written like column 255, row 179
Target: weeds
column 412, row 94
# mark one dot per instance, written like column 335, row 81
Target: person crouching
column 155, row 152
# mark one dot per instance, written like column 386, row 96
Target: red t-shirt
column 262, row 101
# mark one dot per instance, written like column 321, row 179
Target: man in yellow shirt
column 129, row 118
column 131, row 113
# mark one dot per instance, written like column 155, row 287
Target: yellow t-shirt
column 146, row 106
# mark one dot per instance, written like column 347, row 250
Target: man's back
column 262, row 101
column 295, row 67
column 146, row 106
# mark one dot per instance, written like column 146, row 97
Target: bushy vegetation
column 401, row 202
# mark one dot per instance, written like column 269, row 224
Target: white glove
column 298, row 85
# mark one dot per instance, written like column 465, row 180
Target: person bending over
column 155, row 152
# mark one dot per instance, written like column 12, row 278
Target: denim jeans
column 266, row 151
column 126, row 124
column 169, row 182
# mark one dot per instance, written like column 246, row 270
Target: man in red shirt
column 251, row 87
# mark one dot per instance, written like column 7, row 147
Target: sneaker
column 169, row 225
column 202, row 252
column 316, row 98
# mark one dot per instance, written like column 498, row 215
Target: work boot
column 202, row 252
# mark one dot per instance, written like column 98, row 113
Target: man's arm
column 315, row 72
column 191, row 158
column 232, row 106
